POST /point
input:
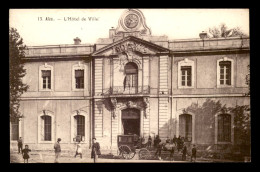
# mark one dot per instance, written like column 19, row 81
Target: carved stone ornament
column 130, row 46
column 114, row 104
column 132, row 21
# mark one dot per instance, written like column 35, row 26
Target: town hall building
column 132, row 83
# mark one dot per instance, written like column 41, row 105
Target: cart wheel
column 144, row 154
column 125, row 151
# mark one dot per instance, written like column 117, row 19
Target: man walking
column 95, row 150
column 20, row 145
column 184, row 152
column 57, row 150
column 193, row 153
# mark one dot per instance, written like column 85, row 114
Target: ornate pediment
column 130, row 45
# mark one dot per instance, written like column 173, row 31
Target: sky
column 174, row 23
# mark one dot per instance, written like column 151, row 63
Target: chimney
column 77, row 41
column 203, row 35
column 112, row 32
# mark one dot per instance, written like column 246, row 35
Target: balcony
column 120, row 90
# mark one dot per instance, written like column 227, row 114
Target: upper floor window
column 224, row 128
column 131, row 78
column 186, row 74
column 45, row 77
column 225, row 72
column 78, row 77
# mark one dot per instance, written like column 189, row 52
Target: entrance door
column 131, row 121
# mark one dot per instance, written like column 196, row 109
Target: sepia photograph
column 129, row 85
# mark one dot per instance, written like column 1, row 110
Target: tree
column 222, row 31
column 16, row 72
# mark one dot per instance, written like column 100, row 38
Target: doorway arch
column 131, row 121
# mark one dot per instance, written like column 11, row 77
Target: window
column 47, row 128
column 186, row 75
column 224, row 128
column 79, row 78
column 131, row 78
column 15, row 129
column 225, row 72
column 80, row 126
column 185, row 128
column 46, row 79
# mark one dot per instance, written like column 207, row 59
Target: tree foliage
column 242, row 123
column 16, row 72
column 223, row 31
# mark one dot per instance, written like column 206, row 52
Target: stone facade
column 159, row 96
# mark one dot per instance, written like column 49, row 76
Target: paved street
column 66, row 157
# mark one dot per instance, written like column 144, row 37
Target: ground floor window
column 79, row 127
column 185, row 127
column 46, row 128
column 224, row 128
column 15, row 129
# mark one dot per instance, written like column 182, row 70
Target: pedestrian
column 149, row 142
column 168, row 140
column 193, row 153
column 174, row 140
column 25, row 153
column 95, row 150
column 20, row 145
column 178, row 143
column 156, row 141
column 78, row 150
column 184, row 152
column 159, row 149
column 57, row 149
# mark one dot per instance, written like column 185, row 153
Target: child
column 78, row 150
column 25, row 153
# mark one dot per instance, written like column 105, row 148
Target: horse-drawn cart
column 128, row 146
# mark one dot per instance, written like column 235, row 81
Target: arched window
column 46, row 127
column 131, row 78
column 224, row 128
column 46, row 131
column 185, row 127
column 225, row 76
column 79, row 131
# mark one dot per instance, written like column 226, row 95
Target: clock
column 131, row 20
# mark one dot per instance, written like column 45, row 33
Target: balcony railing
column 118, row 90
